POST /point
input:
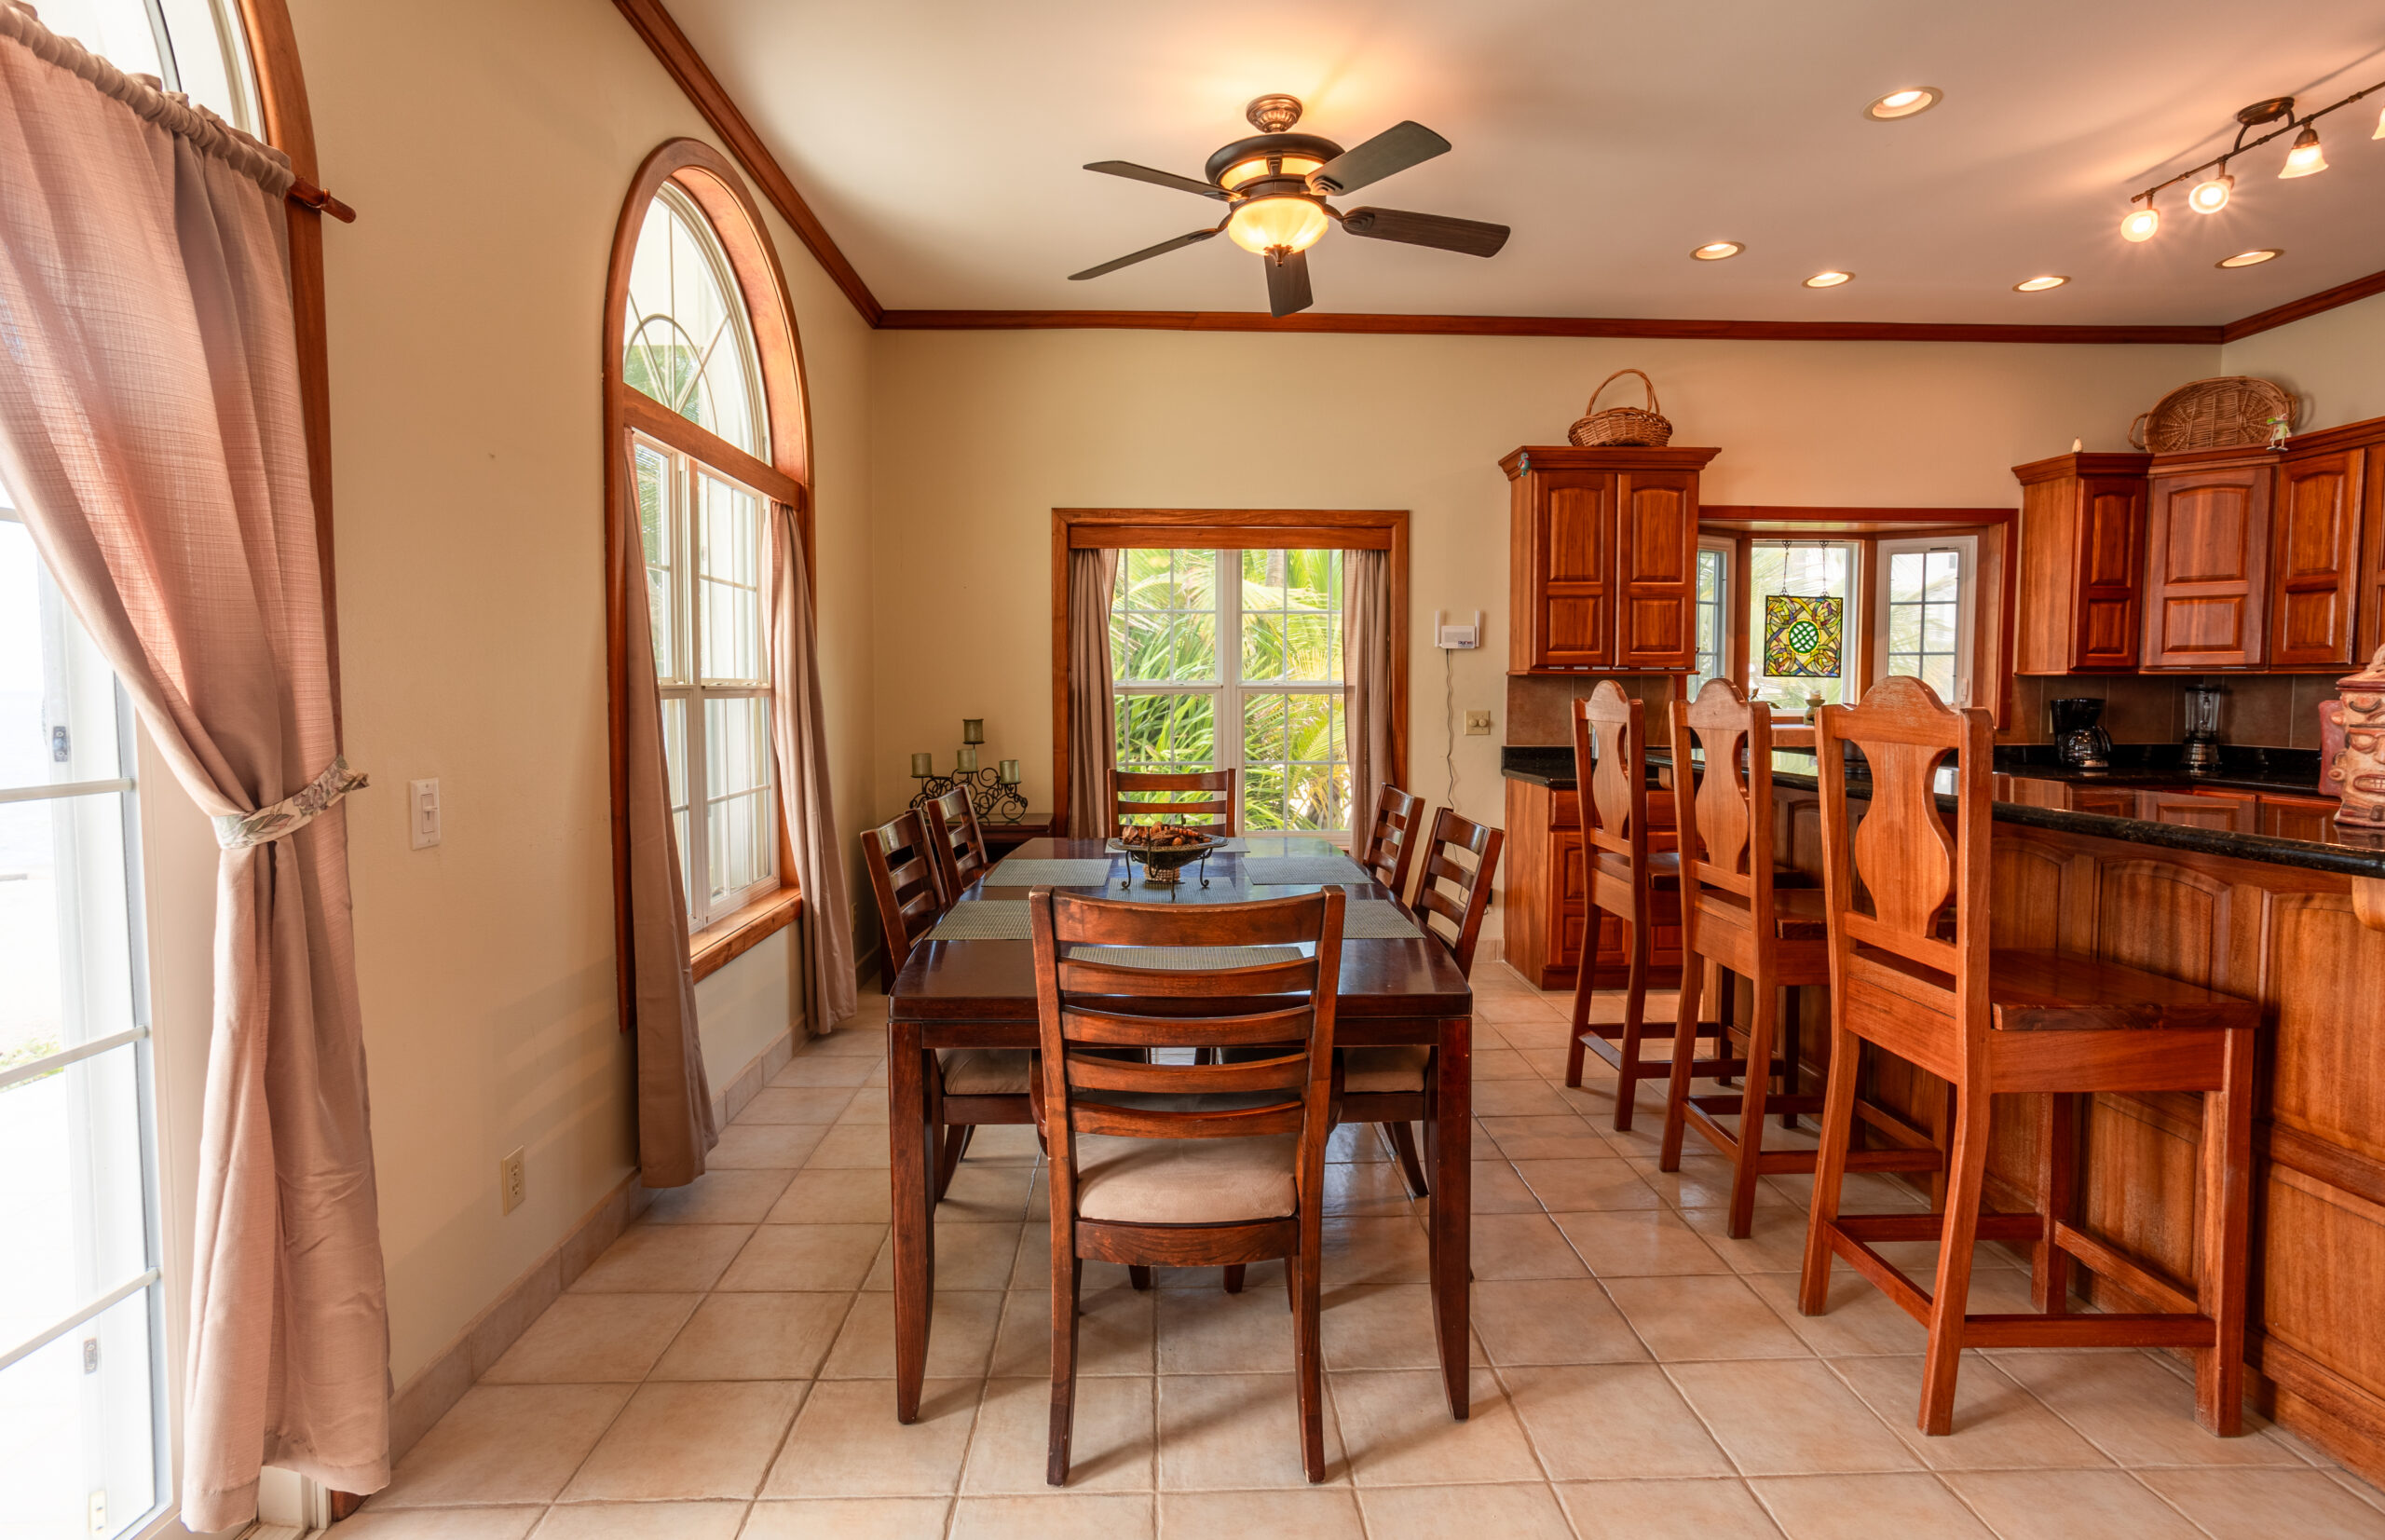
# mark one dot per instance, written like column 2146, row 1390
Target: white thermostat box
column 1456, row 634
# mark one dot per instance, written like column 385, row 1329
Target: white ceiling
column 941, row 141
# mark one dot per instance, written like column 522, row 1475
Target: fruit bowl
column 1163, row 850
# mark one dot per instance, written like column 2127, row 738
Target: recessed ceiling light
column 1904, row 103
column 2042, row 282
column 1828, row 281
column 2250, row 259
column 1716, row 250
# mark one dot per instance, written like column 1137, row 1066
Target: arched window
column 705, row 406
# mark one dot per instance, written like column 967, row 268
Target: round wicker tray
column 2230, row 412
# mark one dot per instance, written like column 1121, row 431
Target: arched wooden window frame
column 709, row 181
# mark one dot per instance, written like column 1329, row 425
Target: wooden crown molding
column 653, row 22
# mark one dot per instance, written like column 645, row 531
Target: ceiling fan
column 1277, row 183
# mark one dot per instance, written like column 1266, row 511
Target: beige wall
column 977, row 436
column 2335, row 360
column 464, row 307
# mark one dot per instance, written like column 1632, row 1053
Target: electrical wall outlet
column 1477, row 723
column 97, row 1512
column 422, row 812
column 511, row 1182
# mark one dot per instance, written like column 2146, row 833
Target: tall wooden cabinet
column 1602, row 560
column 2082, row 564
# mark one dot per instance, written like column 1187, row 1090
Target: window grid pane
column 729, row 556
column 1925, row 617
column 689, row 343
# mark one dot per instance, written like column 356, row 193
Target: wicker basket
column 1619, row 425
column 2228, row 413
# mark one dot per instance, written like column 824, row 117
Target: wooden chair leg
column 1792, row 1062
column 1140, row 1277
column 1411, row 1168
column 1308, row 1352
column 1583, row 988
column 1742, row 1220
column 1233, row 1277
column 1944, row 1357
column 2227, row 1221
column 1941, row 1134
column 953, row 1142
column 1067, row 1274
column 1635, row 1002
column 1692, row 979
column 2057, row 1167
column 1830, row 1170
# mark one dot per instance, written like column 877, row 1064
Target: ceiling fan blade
column 1288, row 288
column 1439, row 231
column 1146, row 254
column 1133, row 172
column 1394, row 150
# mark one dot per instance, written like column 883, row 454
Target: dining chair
column 1390, row 837
column 965, row 1086
column 1392, row 1086
column 958, row 841
column 1218, row 807
column 1737, row 915
column 1992, row 1022
column 1202, row 1164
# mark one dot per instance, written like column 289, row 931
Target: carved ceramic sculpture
column 2358, row 775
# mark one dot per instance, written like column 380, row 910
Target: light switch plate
column 422, row 812
column 1477, row 724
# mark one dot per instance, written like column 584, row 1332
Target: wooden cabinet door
column 2314, row 560
column 1572, row 566
column 2372, row 565
column 2207, row 567
column 2111, row 571
column 2235, row 811
column 1656, row 570
column 2298, row 817
column 1569, row 897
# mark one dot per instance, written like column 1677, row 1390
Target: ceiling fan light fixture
column 2250, row 259
column 1280, row 220
column 2042, row 282
column 2306, row 158
column 1910, row 101
column 1831, row 279
column 1718, row 250
column 1256, row 166
column 2210, row 197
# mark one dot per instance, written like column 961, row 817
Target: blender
column 2078, row 742
column 2200, row 750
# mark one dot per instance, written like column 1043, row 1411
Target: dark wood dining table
column 981, row 994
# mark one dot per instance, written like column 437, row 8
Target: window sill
column 713, row 947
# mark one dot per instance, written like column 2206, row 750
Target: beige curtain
column 675, row 1126
column 151, row 432
column 798, row 729
column 1366, row 672
column 1092, row 757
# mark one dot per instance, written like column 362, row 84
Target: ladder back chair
column 1639, row 887
column 1218, row 807
column 1390, row 839
column 1201, row 1165
column 1389, row 1086
column 1736, row 914
column 957, row 840
column 2047, row 1025
column 965, row 1086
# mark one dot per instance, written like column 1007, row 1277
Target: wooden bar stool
column 1623, row 878
column 1389, row 839
column 1736, row 913
column 2001, row 1022
column 1217, row 808
column 966, row 1087
column 1391, row 1087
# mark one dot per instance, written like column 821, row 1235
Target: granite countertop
column 2139, row 800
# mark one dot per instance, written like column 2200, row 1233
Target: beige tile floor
column 723, row 1371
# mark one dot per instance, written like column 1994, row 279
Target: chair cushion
column 1375, row 1069
column 1186, row 1181
column 985, row 1071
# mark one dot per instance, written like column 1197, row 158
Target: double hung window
column 1925, row 622
column 1232, row 659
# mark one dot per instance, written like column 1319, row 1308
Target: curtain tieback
column 236, row 831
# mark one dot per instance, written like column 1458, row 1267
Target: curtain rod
column 308, row 196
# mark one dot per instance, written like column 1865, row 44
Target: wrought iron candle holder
column 993, row 789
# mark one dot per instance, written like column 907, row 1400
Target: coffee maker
column 2199, row 753
column 2080, row 742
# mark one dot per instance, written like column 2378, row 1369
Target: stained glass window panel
column 1802, row 636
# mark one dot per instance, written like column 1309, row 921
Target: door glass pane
column 728, row 537
column 738, row 806
column 1800, row 598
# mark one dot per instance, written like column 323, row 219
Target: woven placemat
column 1303, row 869
column 1185, row 957
column 1376, row 920
column 1019, row 873
column 986, row 919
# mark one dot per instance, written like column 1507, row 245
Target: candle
column 1008, row 774
column 922, row 766
column 973, row 729
column 966, row 758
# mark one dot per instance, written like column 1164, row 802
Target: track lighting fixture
column 2210, row 194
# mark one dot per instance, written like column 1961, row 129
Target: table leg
column 1451, row 1138
column 907, row 1132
